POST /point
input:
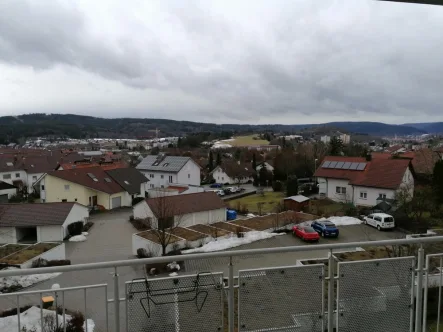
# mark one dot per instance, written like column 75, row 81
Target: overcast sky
column 237, row 61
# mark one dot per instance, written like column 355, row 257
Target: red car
column 306, row 233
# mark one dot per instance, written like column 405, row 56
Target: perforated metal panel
column 375, row 295
column 185, row 304
column 281, row 299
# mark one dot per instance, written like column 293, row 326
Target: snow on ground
column 31, row 320
column 78, row 238
column 340, row 221
column 232, row 242
column 25, row 281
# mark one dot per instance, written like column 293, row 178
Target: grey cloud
column 274, row 60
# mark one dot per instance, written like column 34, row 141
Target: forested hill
column 77, row 126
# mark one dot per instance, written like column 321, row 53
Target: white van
column 380, row 221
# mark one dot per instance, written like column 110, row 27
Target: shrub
column 137, row 200
column 13, row 311
column 277, row 186
column 143, row 253
column 59, row 262
column 239, row 232
column 41, row 262
column 76, row 228
column 131, row 218
column 87, row 226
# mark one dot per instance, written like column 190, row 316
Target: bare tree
column 167, row 216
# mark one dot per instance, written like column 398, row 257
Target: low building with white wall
column 6, row 191
column 360, row 182
column 181, row 210
column 39, row 222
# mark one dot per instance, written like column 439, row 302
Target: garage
column 116, row 202
column 4, row 198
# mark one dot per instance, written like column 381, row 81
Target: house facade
column 93, row 187
column 162, row 171
column 186, row 210
column 6, row 191
column 361, row 182
column 232, row 172
column 39, row 222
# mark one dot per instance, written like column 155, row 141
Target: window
column 43, row 187
column 162, row 176
column 6, row 176
column 189, row 176
column 66, row 186
column 363, row 195
column 152, row 186
column 75, row 199
column 17, row 175
column 223, row 178
column 162, row 186
column 34, row 178
column 377, row 218
column 170, row 178
column 64, row 200
column 382, row 196
column 340, row 190
column 151, row 176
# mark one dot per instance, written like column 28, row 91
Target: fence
column 388, row 294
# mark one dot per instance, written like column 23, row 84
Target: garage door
column 4, row 198
column 116, row 202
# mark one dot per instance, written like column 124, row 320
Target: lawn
column 325, row 207
column 248, row 140
column 9, row 249
column 28, row 253
column 269, row 200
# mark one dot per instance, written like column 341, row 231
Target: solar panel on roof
column 361, row 166
column 332, row 164
column 339, row 165
column 353, row 166
column 326, row 164
column 346, row 165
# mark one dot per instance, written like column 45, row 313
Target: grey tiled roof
column 165, row 163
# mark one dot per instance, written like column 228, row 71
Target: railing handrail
column 218, row 254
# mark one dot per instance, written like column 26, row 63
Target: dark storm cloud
column 273, row 60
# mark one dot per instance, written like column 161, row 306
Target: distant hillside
column 13, row 128
column 429, row 127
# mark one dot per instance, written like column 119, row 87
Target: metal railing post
column 419, row 290
column 231, row 318
column 331, row 281
column 116, row 301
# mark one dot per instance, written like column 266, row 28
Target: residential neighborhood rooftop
column 21, row 214
column 128, row 178
column 163, row 163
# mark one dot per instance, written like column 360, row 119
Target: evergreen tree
column 291, row 186
column 254, row 162
column 335, row 146
column 218, row 161
column 179, row 142
column 211, row 161
column 438, row 181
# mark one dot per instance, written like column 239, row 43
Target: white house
column 162, row 171
column 233, row 173
column 184, row 210
column 361, row 182
column 6, row 191
column 38, row 222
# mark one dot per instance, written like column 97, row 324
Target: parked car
column 216, row 185
column 220, row 193
column 306, row 233
column 380, row 221
column 227, row 191
column 325, row 228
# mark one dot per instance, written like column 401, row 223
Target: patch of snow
column 25, row 281
column 232, row 242
column 431, row 232
column 340, row 221
column 85, row 233
column 250, row 215
column 173, row 274
column 78, row 238
column 174, row 266
column 32, row 321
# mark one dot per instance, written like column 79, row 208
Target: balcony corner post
column 231, row 316
column 116, row 301
column 331, row 280
column 419, row 290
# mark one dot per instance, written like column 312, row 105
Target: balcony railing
column 367, row 295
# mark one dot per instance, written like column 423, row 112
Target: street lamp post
column 315, row 164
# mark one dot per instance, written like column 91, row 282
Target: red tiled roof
column 178, row 205
column 378, row 155
column 104, row 165
column 393, row 148
column 81, row 177
column 379, row 172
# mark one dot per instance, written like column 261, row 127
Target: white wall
column 189, row 174
column 322, row 186
column 31, row 179
column 56, row 253
column 372, row 195
column 21, row 176
column 141, row 210
column 331, row 190
column 51, row 233
column 9, row 192
column 78, row 213
column 8, row 235
column 204, row 217
column 160, row 178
